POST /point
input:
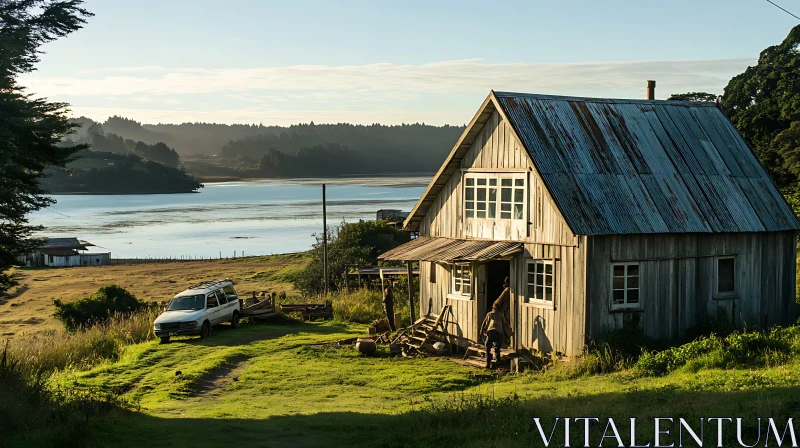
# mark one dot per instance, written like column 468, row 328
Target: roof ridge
column 542, row 96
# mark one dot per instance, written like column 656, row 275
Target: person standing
column 504, row 296
column 388, row 306
column 497, row 330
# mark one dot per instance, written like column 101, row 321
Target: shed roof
column 64, row 243
column 641, row 166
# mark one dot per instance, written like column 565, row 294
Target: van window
column 221, row 296
column 211, row 300
column 228, row 289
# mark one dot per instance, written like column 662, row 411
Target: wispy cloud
column 392, row 91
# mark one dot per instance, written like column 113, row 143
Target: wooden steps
column 423, row 331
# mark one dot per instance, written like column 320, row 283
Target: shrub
column 97, row 308
column 736, row 349
column 349, row 243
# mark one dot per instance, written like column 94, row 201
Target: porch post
column 512, row 301
column 410, row 291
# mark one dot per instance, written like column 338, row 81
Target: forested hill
column 368, row 149
column 210, row 138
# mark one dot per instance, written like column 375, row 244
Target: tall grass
column 43, row 353
column 361, row 306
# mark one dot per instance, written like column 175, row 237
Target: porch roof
column 451, row 250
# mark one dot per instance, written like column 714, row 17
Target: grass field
column 30, row 307
column 286, row 384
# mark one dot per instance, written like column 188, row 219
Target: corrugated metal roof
column 451, row 250
column 633, row 166
column 64, row 243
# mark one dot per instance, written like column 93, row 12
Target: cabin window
column 462, row 280
column 725, row 275
column 625, row 285
column 494, row 196
column 541, row 281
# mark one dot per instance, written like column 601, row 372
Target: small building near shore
column 601, row 213
column 65, row 252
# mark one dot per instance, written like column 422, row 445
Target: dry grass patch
column 29, row 309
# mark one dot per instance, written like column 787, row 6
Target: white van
column 197, row 309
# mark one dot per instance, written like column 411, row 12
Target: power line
column 783, row 9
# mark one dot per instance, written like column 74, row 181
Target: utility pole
column 324, row 240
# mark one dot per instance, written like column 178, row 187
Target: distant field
column 30, row 307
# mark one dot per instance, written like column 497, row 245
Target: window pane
column 633, row 269
column 619, row 270
column 467, row 290
column 505, row 182
column 470, row 194
column 505, row 215
column 505, row 194
column 492, row 207
column 493, row 182
column 470, row 214
column 531, row 279
column 531, row 291
column 633, row 282
column 519, row 182
column 493, row 194
column 481, row 181
column 505, row 208
column 548, row 268
column 540, row 279
column 633, row 296
column 531, row 267
column 481, row 215
column 457, row 287
column 619, row 297
column 465, row 273
column 481, row 194
column 470, row 205
column 548, row 294
column 548, row 280
column 725, row 275
column 618, row 283
column 481, row 206
column 470, row 181
column 517, row 211
column 519, row 195
column 539, row 292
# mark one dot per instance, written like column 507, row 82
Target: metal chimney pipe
column 651, row 90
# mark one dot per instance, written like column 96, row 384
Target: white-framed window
column 625, row 285
column 462, row 280
column 541, row 281
column 494, row 195
column 725, row 278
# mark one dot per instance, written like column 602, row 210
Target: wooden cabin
column 601, row 211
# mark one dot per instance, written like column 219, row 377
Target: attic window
column 494, row 196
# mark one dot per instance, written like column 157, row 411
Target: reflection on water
column 257, row 217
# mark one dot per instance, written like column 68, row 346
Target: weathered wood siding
column 547, row 236
column 676, row 280
column 495, row 148
column 561, row 328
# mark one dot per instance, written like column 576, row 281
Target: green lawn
column 280, row 385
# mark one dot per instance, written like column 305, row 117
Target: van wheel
column 164, row 339
column 235, row 320
column 206, row 330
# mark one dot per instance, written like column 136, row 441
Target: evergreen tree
column 30, row 128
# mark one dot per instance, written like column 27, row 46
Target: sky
column 390, row 62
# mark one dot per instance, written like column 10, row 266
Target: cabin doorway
column 490, row 281
column 496, row 272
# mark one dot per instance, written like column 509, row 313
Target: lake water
column 255, row 217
